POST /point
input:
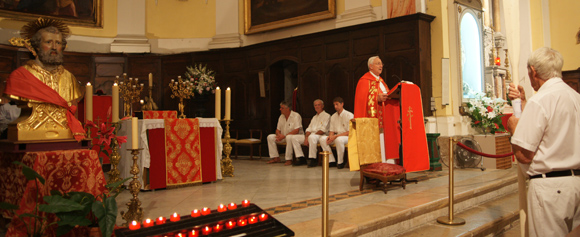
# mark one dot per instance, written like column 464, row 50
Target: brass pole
column 226, row 163
column 114, row 158
column 450, row 220
column 134, row 212
column 325, row 190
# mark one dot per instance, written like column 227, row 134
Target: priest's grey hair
column 371, row 61
column 547, row 62
column 318, row 100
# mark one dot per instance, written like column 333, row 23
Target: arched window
column 471, row 43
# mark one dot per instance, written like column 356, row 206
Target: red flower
column 476, row 122
column 489, row 109
column 496, row 126
column 121, row 139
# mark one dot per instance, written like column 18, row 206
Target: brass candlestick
column 226, row 163
column 182, row 89
column 134, row 212
column 114, row 159
column 131, row 91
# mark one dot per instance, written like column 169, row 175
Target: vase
column 199, row 103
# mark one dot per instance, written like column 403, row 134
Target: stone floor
column 282, row 190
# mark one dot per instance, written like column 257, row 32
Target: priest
column 370, row 97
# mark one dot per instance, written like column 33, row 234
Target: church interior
column 140, row 65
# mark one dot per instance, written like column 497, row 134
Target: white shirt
column 294, row 121
column 319, row 122
column 380, row 84
column 550, row 126
column 339, row 123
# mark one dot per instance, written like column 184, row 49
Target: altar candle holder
column 206, row 230
column 131, row 90
column 182, row 89
column 222, row 208
column 226, row 163
column 230, row 224
column 193, row 233
column 160, row 220
column 232, row 206
column 134, row 212
column 245, row 203
column 114, row 159
column 253, row 220
column 263, row 217
column 205, row 211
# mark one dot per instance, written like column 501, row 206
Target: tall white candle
column 228, row 104
column 135, row 132
column 89, row 102
column 150, row 80
column 218, row 103
column 115, row 102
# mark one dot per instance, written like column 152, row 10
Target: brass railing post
column 450, row 220
column 325, row 190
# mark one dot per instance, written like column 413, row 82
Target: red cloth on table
column 65, row 171
column 157, row 167
column 22, row 83
column 159, row 114
column 208, row 154
column 182, row 151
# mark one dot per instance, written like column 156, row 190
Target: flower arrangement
column 485, row 113
column 106, row 132
column 202, row 78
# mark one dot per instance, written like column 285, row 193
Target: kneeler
column 364, row 154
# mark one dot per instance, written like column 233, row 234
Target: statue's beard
column 50, row 59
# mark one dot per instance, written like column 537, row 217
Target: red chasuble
column 22, row 83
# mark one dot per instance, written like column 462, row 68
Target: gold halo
column 28, row 30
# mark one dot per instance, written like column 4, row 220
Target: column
column 227, row 33
column 131, row 28
column 355, row 12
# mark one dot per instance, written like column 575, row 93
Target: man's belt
column 558, row 174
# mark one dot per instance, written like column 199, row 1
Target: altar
column 174, row 152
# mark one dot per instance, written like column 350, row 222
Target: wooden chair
column 255, row 139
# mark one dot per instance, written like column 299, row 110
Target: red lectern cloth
column 101, row 105
column 65, row 171
column 208, row 154
column 182, row 151
column 414, row 139
column 157, row 166
column 159, row 114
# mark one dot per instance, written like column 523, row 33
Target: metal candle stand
column 226, row 163
column 134, row 212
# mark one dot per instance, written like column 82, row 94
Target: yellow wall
column 376, row 3
column 439, row 49
column 536, row 24
column 108, row 30
column 180, row 19
column 564, row 20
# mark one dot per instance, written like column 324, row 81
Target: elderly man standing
column 289, row 125
column 545, row 142
column 371, row 93
column 318, row 127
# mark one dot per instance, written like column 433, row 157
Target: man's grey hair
column 318, row 100
column 547, row 62
column 287, row 104
column 371, row 61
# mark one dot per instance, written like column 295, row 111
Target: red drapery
column 182, row 151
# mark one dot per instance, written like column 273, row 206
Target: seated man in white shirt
column 289, row 124
column 338, row 133
column 318, row 127
column 8, row 113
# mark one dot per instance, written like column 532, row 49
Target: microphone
column 395, row 76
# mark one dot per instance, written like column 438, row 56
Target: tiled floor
column 291, row 193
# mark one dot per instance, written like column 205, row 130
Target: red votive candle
column 218, row 227
column 263, row 217
column 232, row 206
column 206, row 230
column 195, row 213
column 205, row 211
column 180, row 235
column 245, row 203
column 134, row 225
column 253, row 220
column 222, row 208
column 175, row 217
column 230, row 224
column 160, row 220
column 148, row 223
column 193, row 233
column 242, row 222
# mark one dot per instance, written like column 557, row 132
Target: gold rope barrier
column 325, row 190
column 450, row 220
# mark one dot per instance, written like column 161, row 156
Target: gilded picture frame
column 265, row 15
column 79, row 13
